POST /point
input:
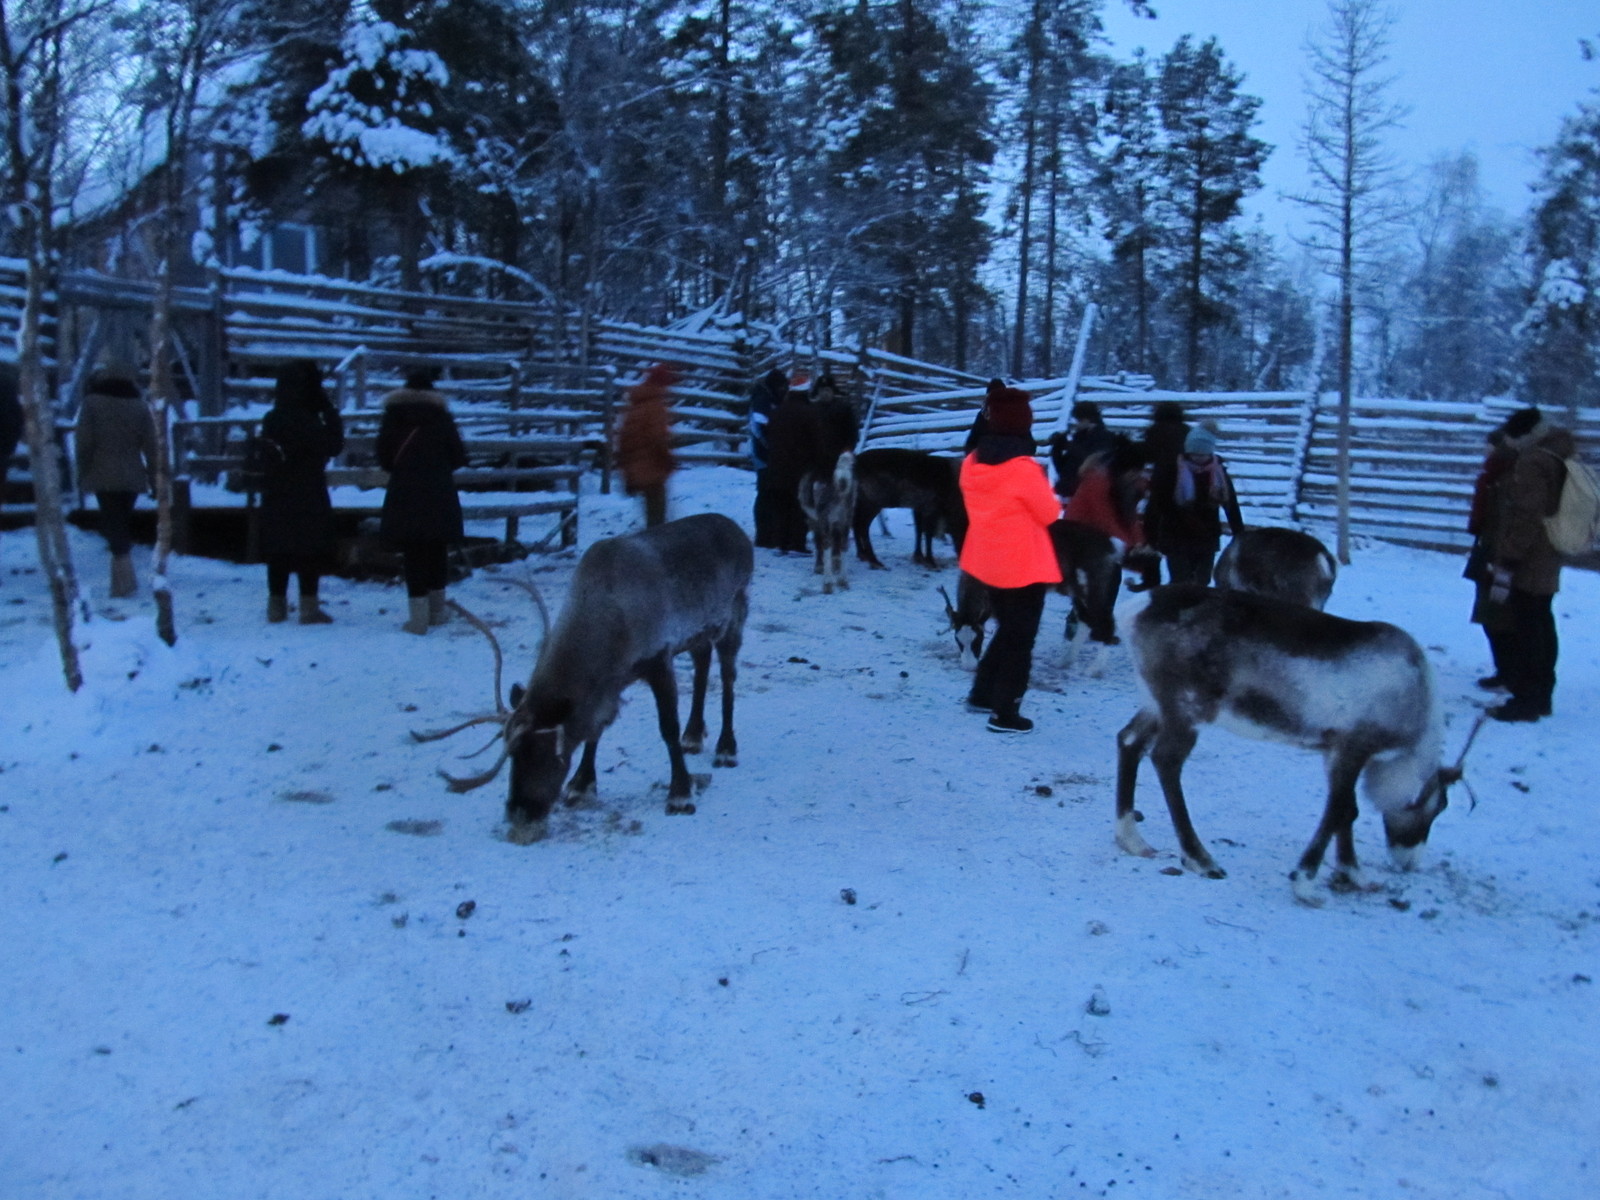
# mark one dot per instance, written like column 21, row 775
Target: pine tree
column 1209, row 162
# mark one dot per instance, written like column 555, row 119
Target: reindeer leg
column 1169, row 752
column 580, row 788
column 1132, row 743
column 1338, row 819
column 728, row 661
column 658, row 674
column 863, row 530
column 694, row 734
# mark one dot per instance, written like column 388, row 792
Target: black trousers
column 765, row 514
column 427, row 567
column 116, row 519
column 1187, row 564
column 1529, row 648
column 1007, row 661
column 281, row 566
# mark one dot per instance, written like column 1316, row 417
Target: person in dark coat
column 1162, row 444
column 791, row 450
column 1526, row 571
column 10, row 421
column 420, row 446
column 299, row 434
column 1069, row 451
column 1193, row 492
column 115, row 445
column 1482, row 524
column 765, row 398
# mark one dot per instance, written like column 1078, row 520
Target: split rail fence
column 537, row 390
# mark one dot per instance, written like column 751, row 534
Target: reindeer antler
column 949, row 609
column 501, row 716
column 1457, row 773
column 532, row 589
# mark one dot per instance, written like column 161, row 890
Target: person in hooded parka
column 299, row 434
column 420, row 446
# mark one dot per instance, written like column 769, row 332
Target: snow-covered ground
column 254, row 949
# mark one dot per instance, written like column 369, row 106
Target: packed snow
column 258, row 950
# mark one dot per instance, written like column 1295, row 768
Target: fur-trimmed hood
column 1545, row 436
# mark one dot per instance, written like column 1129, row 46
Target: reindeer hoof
column 526, row 833
column 677, row 808
column 1205, row 867
column 827, row 588
column 844, row 585
column 692, row 745
column 1305, row 890
column 1130, row 839
column 580, row 797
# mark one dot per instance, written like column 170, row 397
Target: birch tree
column 1354, row 192
column 52, row 53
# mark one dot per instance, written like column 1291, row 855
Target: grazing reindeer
column 1361, row 692
column 1283, row 563
column 829, row 502
column 635, row 603
column 1089, row 574
column 923, row 482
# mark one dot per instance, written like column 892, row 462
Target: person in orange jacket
column 644, row 443
column 1010, row 508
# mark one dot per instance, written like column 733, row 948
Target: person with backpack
column 299, row 434
column 1526, row 569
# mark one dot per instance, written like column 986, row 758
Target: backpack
column 261, row 457
column 1575, row 524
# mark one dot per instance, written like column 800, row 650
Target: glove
column 1500, row 585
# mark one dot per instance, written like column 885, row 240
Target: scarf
column 1215, row 477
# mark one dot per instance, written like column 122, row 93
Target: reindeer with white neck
column 1360, row 692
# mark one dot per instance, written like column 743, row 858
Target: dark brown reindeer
column 926, row 483
column 635, row 603
column 1278, row 562
column 1360, row 692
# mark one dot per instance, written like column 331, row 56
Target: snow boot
column 1009, row 721
column 438, row 614
column 311, row 612
column 277, row 610
column 124, row 582
column 418, row 622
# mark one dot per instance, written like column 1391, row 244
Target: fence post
column 1302, row 454
column 1080, row 352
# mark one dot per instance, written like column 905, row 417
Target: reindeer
column 635, row 603
column 1361, row 692
column 829, row 502
column 1282, row 563
column 923, row 482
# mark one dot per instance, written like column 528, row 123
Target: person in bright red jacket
column 1010, row 508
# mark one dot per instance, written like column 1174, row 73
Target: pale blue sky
column 1493, row 76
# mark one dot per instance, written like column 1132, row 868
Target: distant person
column 299, row 434
column 116, row 459
column 420, row 446
column 1189, row 497
column 1162, row 444
column 1483, row 524
column 1526, row 568
column 1070, row 450
column 791, row 451
column 10, row 421
column 1010, row 508
column 644, row 443
column 765, row 398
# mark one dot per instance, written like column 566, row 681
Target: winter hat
column 1086, row 410
column 1522, row 422
column 113, row 381
column 1167, row 410
column 421, row 379
column 1200, row 441
column 298, row 384
column 1010, row 411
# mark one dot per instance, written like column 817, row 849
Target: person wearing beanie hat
column 1189, row 496
column 1010, row 508
column 115, row 450
column 765, row 397
column 644, row 443
column 1525, row 569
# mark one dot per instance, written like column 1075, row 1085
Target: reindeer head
column 540, row 753
column 1407, row 828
